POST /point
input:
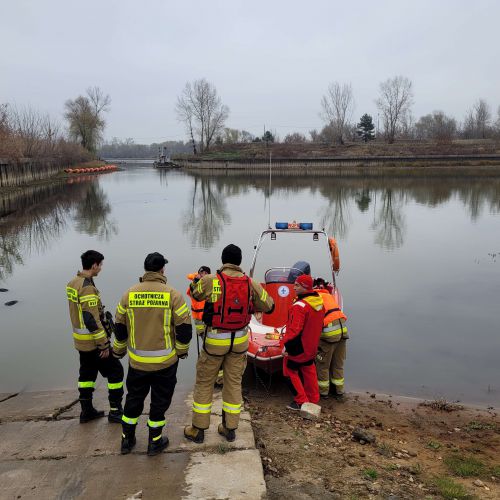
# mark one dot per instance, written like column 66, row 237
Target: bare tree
column 396, row 98
column 482, row 116
column 184, row 111
column 469, row 125
column 497, row 123
column 27, row 124
column 201, row 110
column 295, row 138
column 436, row 126
column 337, row 107
column 231, row 136
column 85, row 117
column 246, row 136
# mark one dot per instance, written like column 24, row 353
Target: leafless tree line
column 204, row 115
column 27, row 133
column 395, row 109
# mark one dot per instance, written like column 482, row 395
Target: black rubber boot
column 88, row 412
column 194, row 434
column 115, row 413
column 157, row 443
column 128, row 438
column 229, row 434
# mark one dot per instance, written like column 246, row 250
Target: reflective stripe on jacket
column 334, row 328
column 85, row 310
column 218, row 342
column 196, row 305
column 151, row 311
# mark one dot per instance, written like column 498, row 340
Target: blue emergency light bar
column 305, row 226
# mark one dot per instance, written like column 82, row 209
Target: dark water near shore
column 420, row 267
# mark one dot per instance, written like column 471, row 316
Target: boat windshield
column 284, row 258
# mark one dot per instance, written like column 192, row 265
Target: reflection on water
column 389, row 222
column 33, row 219
column 92, row 214
column 206, row 213
column 419, row 282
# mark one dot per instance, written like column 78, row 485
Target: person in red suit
column 301, row 339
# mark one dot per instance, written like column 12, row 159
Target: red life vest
column 232, row 311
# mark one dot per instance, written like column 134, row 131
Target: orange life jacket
column 334, row 250
column 196, row 305
column 332, row 309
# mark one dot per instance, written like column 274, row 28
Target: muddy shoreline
column 422, row 450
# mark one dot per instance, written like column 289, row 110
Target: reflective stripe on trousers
column 156, row 423
column 202, row 408
column 231, row 408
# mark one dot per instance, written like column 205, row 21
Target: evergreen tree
column 268, row 137
column 366, row 128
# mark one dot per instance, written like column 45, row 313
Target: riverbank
column 16, row 178
column 421, row 450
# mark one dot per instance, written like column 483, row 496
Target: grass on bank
column 463, row 466
column 450, row 490
column 371, row 474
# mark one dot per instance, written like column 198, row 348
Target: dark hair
column 320, row 282
column 231, row 255
column 204, row 269
column 91, row 257
column 154, row 262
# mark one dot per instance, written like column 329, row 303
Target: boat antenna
column 270, row 185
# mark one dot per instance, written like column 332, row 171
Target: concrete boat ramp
column 46, row 453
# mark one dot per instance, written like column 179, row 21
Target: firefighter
column 92, row 340
column 303, row 330
column 197, row 313
column 154, row 326
column 197, row 305
column 230, row 297
column 332, row 345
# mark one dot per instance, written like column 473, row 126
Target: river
column 420, row 266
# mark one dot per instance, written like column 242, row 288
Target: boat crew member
column 303, row 330
column 332, row 345
column 197, row 305
column 230, row 297
column 91, row 334
column 154, row 326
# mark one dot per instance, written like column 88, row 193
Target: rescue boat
column 310, row 252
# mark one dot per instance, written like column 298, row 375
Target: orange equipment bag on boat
column 233, row 309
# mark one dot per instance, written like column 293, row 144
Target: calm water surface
column 420, row 267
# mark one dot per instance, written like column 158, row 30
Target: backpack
column 233, row 308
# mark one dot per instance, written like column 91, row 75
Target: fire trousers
column 304, row 380
column 330, row 366
column 207, row 369
column 162, row 384
column 110, row 368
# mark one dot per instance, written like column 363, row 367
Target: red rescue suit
column 303, row 331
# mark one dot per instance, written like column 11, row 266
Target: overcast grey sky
column 271, row 61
